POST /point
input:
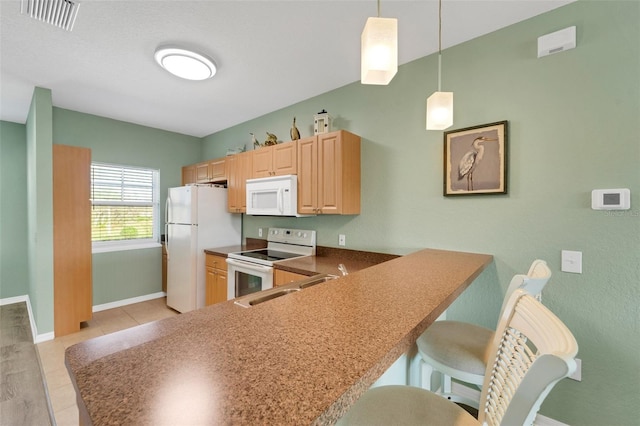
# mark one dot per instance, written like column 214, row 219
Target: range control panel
column 301, row 237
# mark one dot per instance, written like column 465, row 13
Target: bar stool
column 461, row 350
column 531, row 352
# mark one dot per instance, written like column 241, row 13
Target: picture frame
column 475, row 160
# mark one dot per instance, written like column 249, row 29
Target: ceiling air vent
column 59, row 13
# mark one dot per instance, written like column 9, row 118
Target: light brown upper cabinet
column 72, row 279
column 329, row 174
column 275, row 160
column 239, row 168
column 189, row 174
column 211, row 171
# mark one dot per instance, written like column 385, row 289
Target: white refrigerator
column 196, row 218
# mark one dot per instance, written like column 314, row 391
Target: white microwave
column 273, row 196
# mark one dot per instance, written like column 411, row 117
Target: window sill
column 125, row 247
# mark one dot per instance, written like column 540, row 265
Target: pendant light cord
column 439, row 42
column 378, row 8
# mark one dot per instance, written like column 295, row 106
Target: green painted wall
column 573, row 127
column 39, row 173
column 126, row 274
column 14, row 264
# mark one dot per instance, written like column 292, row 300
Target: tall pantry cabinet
column 72, row 280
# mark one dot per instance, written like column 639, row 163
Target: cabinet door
column 285, row 158
column 339, row 173
column 217, row 170
column 220, row 288
column 262, row 164
column 209, row 286
column 239, row 170
column 202, row 172
column 188, row 174
column 307, row 175
column 72, row 275
column 281, row 277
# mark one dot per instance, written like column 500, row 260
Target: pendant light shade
column 440, row 104
column 379, row 61
column 440, row 111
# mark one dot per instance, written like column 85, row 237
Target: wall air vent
column 59, row 13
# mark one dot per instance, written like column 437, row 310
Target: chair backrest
column 533, row 351
column 535, row 280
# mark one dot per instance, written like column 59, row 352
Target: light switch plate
column 571, row 261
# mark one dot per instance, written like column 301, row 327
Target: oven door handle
column 243, row 264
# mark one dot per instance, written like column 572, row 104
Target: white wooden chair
column 532, row 350
column 461, row 350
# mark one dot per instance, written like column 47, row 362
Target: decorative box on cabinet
column 275, row 160
column 329, row 174
column 216, row 279
column 239, row 167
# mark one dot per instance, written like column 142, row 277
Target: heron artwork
column 471, row 159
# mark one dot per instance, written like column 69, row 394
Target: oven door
column 245, row 277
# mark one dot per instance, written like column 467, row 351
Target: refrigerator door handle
column 166, row 224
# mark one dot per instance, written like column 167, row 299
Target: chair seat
column 405, row 406
column 457, row 345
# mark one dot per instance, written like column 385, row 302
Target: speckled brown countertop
column 299, row 359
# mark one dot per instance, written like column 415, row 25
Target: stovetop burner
column 283, row 244
column 270, row 255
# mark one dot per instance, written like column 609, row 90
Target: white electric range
column 252, row 270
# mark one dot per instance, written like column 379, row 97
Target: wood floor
column 62, row 395
column 23, row 399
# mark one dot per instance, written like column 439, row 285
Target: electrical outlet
column 342, row 240
column 577, row 375
column 259, row 232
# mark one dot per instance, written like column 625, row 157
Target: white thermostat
column 611, row 199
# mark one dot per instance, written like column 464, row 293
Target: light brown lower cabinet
column 281, row 277
column 72, row 280
column 215, row 279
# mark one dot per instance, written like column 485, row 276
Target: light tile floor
column 61, row 391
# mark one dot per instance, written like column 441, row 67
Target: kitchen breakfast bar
column 303, row 358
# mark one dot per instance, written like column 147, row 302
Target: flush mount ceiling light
column 185, row 63
column 440, row 104
column 379, row 50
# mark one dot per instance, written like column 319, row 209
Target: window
column 125, row 207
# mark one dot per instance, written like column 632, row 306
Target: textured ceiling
column 270, row 54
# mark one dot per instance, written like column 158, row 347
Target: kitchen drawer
column 217, row 262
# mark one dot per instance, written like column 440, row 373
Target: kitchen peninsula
column 303, row 358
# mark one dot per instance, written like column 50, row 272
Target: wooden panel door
column 262, row 164
column 285, row 159
column 188, row 174
column 217, row 170
column 202, row 172
column 307, row 175
column 72, row 281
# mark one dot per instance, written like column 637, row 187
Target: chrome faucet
column 343, row 269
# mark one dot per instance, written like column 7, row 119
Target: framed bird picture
column 475, row 160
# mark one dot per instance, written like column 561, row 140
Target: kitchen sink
column 273, row 293
column 316, row 280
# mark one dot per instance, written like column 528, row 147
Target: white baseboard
column 39, row 338
column 125, row 302
column 467, row 392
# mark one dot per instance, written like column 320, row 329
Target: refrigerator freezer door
column 182, row 205
column 182, row 267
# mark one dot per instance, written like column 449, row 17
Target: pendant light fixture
column 185, row 63
column 379, row 54
column 440, row 104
